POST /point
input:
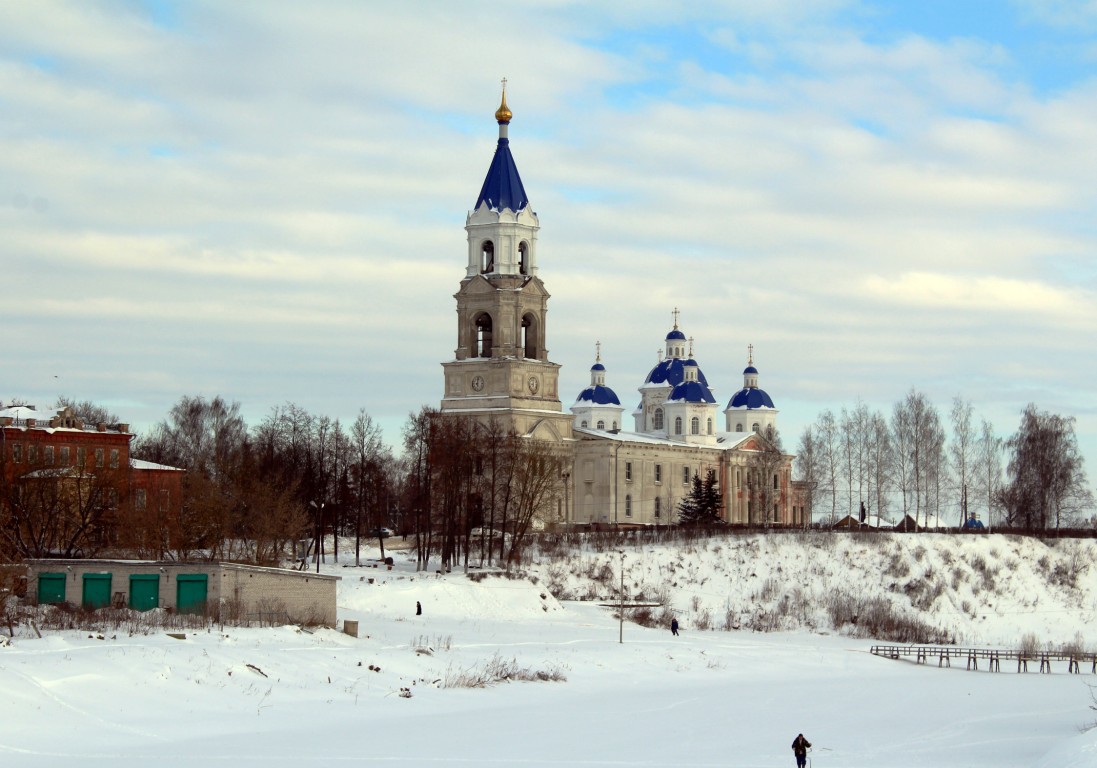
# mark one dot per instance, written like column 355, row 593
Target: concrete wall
column 241, row 590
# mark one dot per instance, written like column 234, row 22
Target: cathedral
column 611, row 476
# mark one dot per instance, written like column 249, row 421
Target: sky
column 629, row 695
column 266, row 201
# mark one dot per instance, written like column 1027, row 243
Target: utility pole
column 621, row 610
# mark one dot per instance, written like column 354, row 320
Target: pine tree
column 703, row 504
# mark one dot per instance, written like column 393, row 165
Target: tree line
column 943, row 470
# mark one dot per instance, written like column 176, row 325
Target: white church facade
column 610, row 476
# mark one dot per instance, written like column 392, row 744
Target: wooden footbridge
column 992, row 658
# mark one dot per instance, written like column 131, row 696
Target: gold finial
column 503, row 114
column 598, row 352
column 690, row 347
column 750, row 354
column 675, row 313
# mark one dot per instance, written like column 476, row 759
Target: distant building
column 69, row 487
column 611, row 476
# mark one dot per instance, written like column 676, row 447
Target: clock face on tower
column 477, row 383
column 532, row 384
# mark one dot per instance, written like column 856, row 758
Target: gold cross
column 675, row 313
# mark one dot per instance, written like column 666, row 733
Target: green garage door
column 51, row 588
column 144, row 591
column 190, row 592
column 96, row 590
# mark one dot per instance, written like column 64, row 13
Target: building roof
column 671, row 371
column 751, row 398
column 503, row 186
column 598, row 394
column 691, row 392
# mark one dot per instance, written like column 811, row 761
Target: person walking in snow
column 418, row 608
column 674, row 627
column 800, row 747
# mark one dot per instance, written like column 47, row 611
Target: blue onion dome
column 749, row 369
column 751, row 398
column 598, row 367
column 691, row 392
column 672, row 371
column 598, row 394
column 676, row 335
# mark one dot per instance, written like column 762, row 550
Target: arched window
column 754, row 427
column 695, row 426
column 615, row 426
column 483, row 335
column 523, row 258
column 738, row 427
column 529, row 337
column 583, row 424
column 677, row 425
column 601, row 425
column 657, row 419
column 628, row 505
column 709, row 427
column 487, row 257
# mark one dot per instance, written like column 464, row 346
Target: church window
column 487, row 257
column 483, row 335
column 628, row 470
column 677, row 425
column 658, row 473
column 601, row 424
column 754, row 427
column 695, row 426
column 658, row 507
column 709, row 426
column 615, row 426
column 523, row 258
column 628, row 505
column 657, row 419
column 529, row 337
column 583, row 424
column 738, row 427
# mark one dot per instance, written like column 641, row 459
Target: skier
column 674, row 627
column 800, row 747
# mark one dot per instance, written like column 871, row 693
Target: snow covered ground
column 707, row 698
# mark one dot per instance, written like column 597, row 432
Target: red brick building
column 71, row 488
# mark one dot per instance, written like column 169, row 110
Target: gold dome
column 503, row 114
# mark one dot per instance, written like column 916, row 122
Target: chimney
column 100, row 427
column 31, row 423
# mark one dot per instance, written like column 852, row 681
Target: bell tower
column 501, row 367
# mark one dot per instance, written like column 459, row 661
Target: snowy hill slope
column 988, row 589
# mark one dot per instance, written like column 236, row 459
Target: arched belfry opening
column 531, row 348
column 487, row 257
column 523, row 258
column 483, row 335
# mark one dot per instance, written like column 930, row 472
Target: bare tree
column 808, row 470
column 962, row 451
column 826, row 441
column 1047, row 478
